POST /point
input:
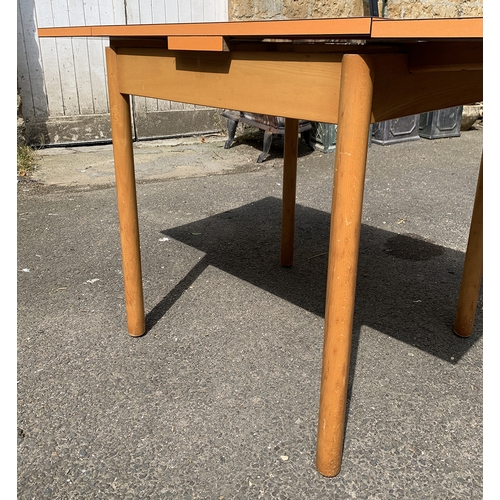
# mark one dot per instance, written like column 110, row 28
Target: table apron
column 397, row 92
column 301, row 86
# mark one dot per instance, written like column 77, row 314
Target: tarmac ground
column 219, row 399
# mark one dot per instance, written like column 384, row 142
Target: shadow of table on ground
column 407, row 287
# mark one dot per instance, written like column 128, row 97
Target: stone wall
column 415, row 9
column 242, row 10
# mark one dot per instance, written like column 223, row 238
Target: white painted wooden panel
column 158, row 12
column 184, row 11
column 172, row 11
column 197, row 11
column 80, row 53
column 104, row 13
column 46, row 59
column 65, row 55
column 67, row 77
column 133, row 12
column 209, row 11
column 30, row 76
column 221, row 11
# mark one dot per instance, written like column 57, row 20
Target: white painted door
column 62, row 81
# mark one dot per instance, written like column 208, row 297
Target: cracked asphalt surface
column 219, row 399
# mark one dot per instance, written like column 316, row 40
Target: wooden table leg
column 121, row 132
column 289, row 185
column 355, row 106
column 473, row 267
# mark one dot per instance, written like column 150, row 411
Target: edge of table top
column 360, row 27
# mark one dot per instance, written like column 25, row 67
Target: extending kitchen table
column 349, row 71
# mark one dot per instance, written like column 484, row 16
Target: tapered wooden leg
column 349, row 177
column 473, row 267
column 121, row 133
column 289, row 185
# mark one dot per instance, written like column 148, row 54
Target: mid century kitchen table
column 350, row 71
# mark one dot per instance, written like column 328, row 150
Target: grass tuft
column 26, row 160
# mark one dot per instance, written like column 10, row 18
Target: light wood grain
column 349, row 179
column 127, row 199
column 401, row 93
column 302, row 86
column 473, row 267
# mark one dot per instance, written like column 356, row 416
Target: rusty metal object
column 269, row 124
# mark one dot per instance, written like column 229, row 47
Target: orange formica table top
column 363, row 28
